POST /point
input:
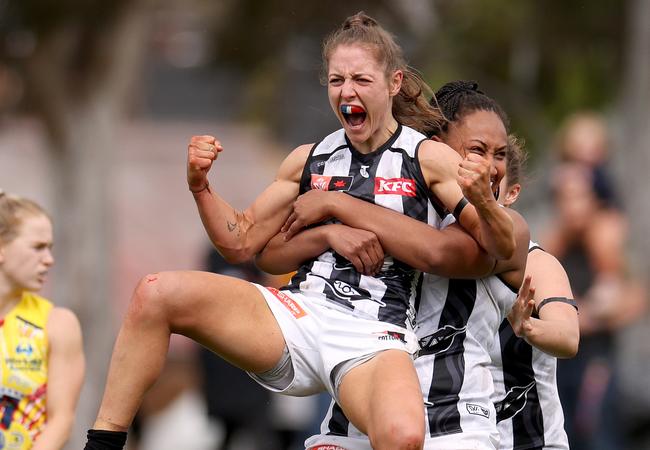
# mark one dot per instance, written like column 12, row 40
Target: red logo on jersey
column 293, row 307
column 398, row 186
column 331, row 183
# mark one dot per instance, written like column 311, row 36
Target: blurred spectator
column 588, row 236
column 583, row 139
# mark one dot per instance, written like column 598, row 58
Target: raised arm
column 556, row 331
column 451, row 253
column 239, row 235
column 65, row 374
column 451, row 179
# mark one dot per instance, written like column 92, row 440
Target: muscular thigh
column 227, row 315
column 375, row 390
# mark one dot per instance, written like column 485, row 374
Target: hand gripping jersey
column 24, row 350
column 391, row 177
column 529, row 413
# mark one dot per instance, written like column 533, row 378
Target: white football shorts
column 321, row 338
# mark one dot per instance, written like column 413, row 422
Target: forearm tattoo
column 235, row 226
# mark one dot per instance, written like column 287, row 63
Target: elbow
column 235, row 256
column 506, row 250
column 432, row 262
column 267, row 266
column 238, row 257
column 570, row 349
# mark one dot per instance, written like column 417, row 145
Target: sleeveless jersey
column 457, row 321
column 391, row 177
column 529, row 413
column 24, row 347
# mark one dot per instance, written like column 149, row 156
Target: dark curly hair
column 458, row 98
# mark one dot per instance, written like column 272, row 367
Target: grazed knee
column 399, row 435
column 152, row 296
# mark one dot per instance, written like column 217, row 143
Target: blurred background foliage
column 542, row 60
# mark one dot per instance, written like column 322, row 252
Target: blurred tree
column 276, row 46
column 634, row 119
column 79, row 59
column 542, row 60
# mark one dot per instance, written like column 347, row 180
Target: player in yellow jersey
column 41, row 354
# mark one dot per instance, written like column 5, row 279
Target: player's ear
column 513, row 194
column 395, row 82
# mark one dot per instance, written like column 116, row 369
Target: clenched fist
column 475, row 177
column 202, row 151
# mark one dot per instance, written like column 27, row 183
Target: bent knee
column 153, row 294
column 399, row 435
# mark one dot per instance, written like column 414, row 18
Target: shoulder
column 292, row 166
column 548, row 275
column 430, row 149
column 409, row 140
column 522, row 232
column 541, row 262
column 63, row 326
column 513, row 269
column 436, row 157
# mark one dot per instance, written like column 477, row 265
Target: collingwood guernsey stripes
column 391, row 177
column 457, row 322
column 529, row 413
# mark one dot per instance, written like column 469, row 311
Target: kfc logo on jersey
column 331, row 183
column 397, row 186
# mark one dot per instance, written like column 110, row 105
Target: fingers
column 205, row 149
column 288, row 222
column 525, row 286
column 474, row 167
column 372, row 257
column 367, row 263
column 358, row 264
column 292, row 226
column 531, row 298
column 363, row 262
column 377, row 255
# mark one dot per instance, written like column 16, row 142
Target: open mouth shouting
column 354, row 115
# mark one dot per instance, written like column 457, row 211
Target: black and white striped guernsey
column 391, row 177
column 457, row 322
column 529, row 412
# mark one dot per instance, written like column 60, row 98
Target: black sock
column 105, row 440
